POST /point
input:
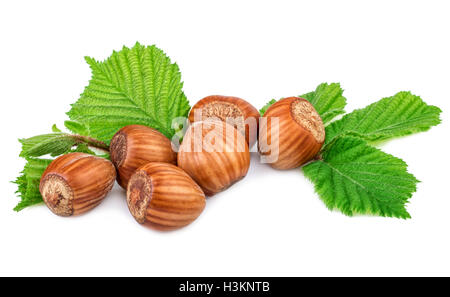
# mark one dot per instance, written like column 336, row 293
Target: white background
column 272, row 222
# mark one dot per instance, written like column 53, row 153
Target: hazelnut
column 300, row 136
column 163, row 196
column 226, row 108
column 75, row 183
column 214, row 154
column 136, row 145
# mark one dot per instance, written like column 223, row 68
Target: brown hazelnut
column 244, row 116
column 136, row 145
column 300, row 134
column 215, row 155
column 75, row 183
column 163, row 196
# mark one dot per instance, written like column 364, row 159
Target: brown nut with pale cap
column 163, row 196
column 215, row 155
column 136, row 145
column 75, row 183
column 243, row 114
column 300, row 134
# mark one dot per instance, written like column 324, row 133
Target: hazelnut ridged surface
column 215, row 155
column 163, row 196
column 225, row 107
column 75, row 183
column 300, row 136
column 136, row 145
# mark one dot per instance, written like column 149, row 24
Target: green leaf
column 55, row 129
column 399, row 115
column 263, row 110
column 134, row 86
column 328, row 100
column 357, row 178
column 28, row 182
column 77, row 128
column 82, row 148
column 54, row 144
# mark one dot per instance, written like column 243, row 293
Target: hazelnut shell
column 75, row 183
column 136, row 145
column 163, row 196
column 301, row 133
column 224, row 107
column 222, row 160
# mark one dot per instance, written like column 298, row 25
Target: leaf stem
column 91, row 142
column 318, row 157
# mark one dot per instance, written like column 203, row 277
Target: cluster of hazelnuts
column 167, row 189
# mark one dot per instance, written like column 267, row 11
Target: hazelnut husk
column 75, row 183
column 215, row 155
column 136, row 145
column 300, row 136
column 163, row 196
column 245, row 117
